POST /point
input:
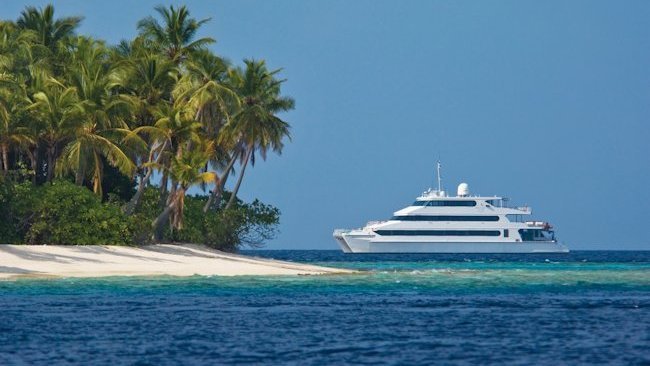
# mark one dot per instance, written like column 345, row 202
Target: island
column 133, row 144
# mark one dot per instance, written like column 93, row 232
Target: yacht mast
column 439, row 178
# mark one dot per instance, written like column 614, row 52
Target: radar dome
column 463, row 190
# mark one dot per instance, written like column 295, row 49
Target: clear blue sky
column 546, row 102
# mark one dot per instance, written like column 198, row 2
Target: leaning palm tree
column 204, row 87
column 175, row 37
column 173, row 130
column 145, row 81
column 256, row 124
column 186, row 171
column 224, row 159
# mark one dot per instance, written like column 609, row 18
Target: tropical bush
column 69, row 214
column 241, row 225
column 8, row 232
column 64, row 213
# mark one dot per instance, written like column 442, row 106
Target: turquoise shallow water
column 581, row 308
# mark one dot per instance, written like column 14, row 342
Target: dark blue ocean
column 589, row 307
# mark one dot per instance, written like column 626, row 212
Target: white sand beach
column 176, row 260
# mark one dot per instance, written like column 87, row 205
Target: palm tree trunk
column 164, row 181
column 216, row 192
column 5, row 157
column 159, row 223
column 33, row 159
column 175, row 199
column 215, row 198
column 50, row 163
column 97, row 176
column 130, row 207
column 235, row 190
column 79, row 177
column 133, row 203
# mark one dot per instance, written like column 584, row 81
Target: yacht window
column 445, row 218
column 536, row 235
column 506, row 233
column 439, row 232
column 419, row 203
column 451, row 203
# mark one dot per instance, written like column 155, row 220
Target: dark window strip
column 439, row 232
column 445, row 218
column 444, row 203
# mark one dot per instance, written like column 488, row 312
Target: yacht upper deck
column 439, row 198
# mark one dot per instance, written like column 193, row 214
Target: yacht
column 438, row 223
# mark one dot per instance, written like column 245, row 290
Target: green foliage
column 26, row 200
column 74, row 108
column 116, row 185
column 64, row 213
column 242, row 225
column 69, row 214
column 146, row 212
column 8, row 232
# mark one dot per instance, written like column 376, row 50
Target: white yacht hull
column 370, row 244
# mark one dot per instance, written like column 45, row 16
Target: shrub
column 8, row 232
column 242, row 225
column 63, row 213
column 69, row 214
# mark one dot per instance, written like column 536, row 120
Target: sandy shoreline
column 18, row 261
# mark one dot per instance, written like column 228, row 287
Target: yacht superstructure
column 438, row 223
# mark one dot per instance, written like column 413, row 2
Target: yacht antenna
column 439, row 178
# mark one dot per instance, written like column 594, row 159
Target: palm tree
column 54, row 107
column 94, row 137
column 175, row 37
column 86, row 150
column 42, row 60
column 186, row 171
column 172, row 129
column 204, row 87
column 224, row 159
column 16, row 49
column 146, row 81
column 48, row 30
column 256, row 124
column 14, row 132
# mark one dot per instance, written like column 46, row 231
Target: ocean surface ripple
column 590, row 307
